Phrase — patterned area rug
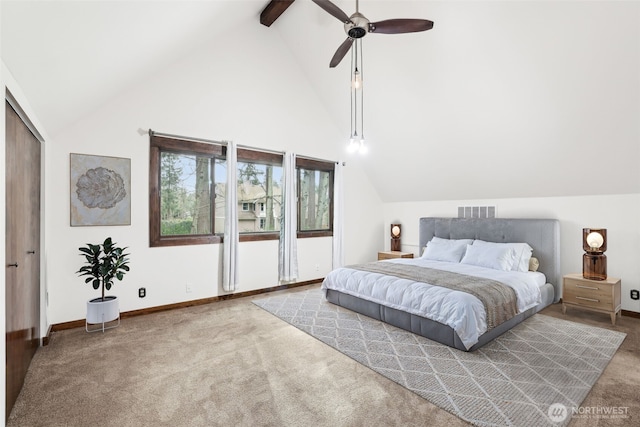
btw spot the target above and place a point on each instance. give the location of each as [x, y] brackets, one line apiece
[531, 375]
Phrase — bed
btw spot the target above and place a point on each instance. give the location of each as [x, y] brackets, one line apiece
[388, 290]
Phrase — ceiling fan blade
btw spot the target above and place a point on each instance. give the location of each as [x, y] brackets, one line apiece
[333, 10]
[341, 52]
[399, 26]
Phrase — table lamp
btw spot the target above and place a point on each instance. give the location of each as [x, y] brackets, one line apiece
[594, 261]
[395, 237]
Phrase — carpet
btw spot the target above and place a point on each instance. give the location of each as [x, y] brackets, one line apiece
[532, 375]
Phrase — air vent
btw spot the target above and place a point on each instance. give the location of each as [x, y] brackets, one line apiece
[476, 211]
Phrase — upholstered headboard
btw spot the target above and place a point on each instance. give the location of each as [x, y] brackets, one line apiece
[542, 234]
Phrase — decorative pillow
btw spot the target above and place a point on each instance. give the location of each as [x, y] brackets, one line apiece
[522, 253]
[450, 251]
[534, 264]
[489, 256]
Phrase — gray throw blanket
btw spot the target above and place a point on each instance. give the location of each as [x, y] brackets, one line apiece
[499, 300]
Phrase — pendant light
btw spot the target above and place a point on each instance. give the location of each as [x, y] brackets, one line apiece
[356, 137]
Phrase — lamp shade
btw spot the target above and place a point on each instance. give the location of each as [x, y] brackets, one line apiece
[594, 240]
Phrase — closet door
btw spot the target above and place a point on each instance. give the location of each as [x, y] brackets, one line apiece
[22, 255]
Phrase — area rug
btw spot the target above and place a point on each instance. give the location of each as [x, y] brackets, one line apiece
[532, 375]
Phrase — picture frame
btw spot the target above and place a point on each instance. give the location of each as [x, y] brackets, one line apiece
[100, 190]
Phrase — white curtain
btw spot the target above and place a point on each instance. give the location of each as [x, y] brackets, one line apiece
[338, 217]
[288, 260]
[231, 234]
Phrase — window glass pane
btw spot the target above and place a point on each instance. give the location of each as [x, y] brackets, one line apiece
[185, 194]
[220, 173]
[259, 185]
[314, 200]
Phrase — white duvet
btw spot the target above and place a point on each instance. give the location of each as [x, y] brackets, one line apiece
[463, 312]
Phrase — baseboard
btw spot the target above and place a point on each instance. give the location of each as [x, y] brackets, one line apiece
[629, 313]
[81, 323]
[47, 337]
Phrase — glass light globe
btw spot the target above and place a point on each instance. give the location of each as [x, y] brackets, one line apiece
[362, 148]
[356, 80]
[354, 144]
[595, 240]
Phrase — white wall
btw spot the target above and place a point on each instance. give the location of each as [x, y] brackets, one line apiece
[617, 213]
[248, 89]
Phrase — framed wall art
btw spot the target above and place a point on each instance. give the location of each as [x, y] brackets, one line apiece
[100, 190]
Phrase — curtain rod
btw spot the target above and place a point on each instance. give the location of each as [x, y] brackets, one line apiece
[210, 141]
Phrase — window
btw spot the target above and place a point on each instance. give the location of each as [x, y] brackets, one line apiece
[187, 187]
[260, 190]
[184, 179]
[315, 198]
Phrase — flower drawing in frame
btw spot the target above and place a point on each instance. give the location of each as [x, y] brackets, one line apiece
[100, 190]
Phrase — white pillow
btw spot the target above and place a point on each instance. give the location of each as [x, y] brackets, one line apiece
[451, 241]
[450, 251]
[521, 257]
[496, 257]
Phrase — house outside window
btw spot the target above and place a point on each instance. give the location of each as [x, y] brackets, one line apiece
[260, 191]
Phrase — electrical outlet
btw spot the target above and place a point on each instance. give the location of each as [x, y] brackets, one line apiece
[188, 288]
[142, 292]
[635, 294]
[317, 267]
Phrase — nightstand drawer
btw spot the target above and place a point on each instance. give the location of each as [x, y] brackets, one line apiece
[588, 294]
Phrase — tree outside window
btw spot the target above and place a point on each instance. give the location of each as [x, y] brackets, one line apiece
[315, 197]
[181, 184]
[185, 194]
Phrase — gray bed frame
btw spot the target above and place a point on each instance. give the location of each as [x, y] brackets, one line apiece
[542, 234]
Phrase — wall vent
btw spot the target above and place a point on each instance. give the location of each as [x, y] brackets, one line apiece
[476, 211]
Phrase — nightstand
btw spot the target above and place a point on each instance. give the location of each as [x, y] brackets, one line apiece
[393, 254]
[596, 295]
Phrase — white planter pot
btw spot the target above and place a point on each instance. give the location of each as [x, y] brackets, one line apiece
[99, 311]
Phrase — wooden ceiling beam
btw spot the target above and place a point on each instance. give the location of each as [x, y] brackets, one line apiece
[274, 9]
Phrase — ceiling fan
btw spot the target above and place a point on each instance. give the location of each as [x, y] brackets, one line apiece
[357, 26]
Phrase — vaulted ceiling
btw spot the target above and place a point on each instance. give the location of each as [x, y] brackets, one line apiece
[500, 99]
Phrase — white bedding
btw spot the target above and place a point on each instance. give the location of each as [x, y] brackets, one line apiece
[463, 312]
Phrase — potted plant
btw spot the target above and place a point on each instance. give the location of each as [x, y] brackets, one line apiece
[103, 264]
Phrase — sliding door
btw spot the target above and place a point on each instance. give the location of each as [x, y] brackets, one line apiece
[22, 249]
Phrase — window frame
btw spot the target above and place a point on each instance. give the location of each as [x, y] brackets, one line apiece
[184, 146]
[317, 165]
[265, 158]
[158, 145]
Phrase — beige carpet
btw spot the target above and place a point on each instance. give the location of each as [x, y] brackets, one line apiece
[514, 380]
[232, 363]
